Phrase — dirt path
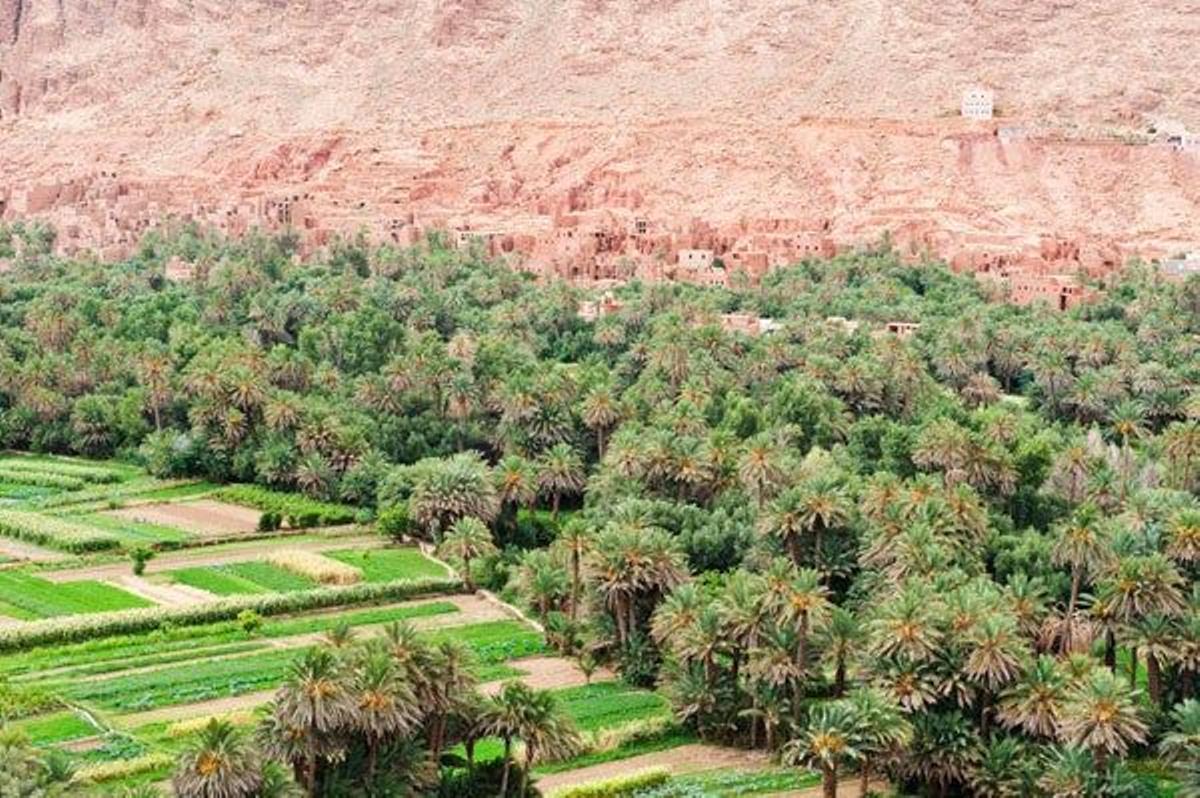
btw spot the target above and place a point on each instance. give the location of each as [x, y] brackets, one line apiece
[847, 788]
[190, 558]
[549, 673]
[20, 550]
[200, 709]
[684, 759]
[164, 594]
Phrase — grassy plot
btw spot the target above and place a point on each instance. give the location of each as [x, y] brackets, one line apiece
[135, 533]
[385, 565]
[726, 783]
[45, 599]
[113, 654]
[492, 644]
[605, 705]
[242, 578]
[59, 727]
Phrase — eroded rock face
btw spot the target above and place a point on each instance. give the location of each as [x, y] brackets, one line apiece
[833, 120]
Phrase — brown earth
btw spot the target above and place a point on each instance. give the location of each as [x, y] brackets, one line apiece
[684, 759]
[204, 518]
[394, 116]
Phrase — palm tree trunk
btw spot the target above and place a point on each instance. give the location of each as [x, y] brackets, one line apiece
[507, 767]
[754, 722]
[600, 442]
[1110, 650]
[1154, 679]
[529, 757]
[793, 547]
[1133, 663]
[467, 575]
[829, 782]
[575, 581]
[1076, 583]
[310, 775]
[554, 506]
[864, 777]
[817, 535]
[839, 677]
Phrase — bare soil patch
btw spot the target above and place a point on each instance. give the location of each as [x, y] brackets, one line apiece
[549, 673]
[204, 518]
[20, 550]
[684, 759]
[164, 595]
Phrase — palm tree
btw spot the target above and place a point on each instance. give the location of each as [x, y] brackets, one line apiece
[1034, 703]
[881, 729]
[1183, 530]
[542, 582]
[600, 412]
[1154, 638]
[824, 506]
[516, 483]
[1082, 544]
[839, 641]
[469, 539]
[520, 712]
[386, 705]
[1070, 772]
[829, 741]
[807, 601]
[575, 538]
[995, 658]
[784, 520]
[633, 568]
[312, 707]
[220, 763]
[761, 470]
[1181, 448]
[560, 471]
[1182, 747]
[1101, 715]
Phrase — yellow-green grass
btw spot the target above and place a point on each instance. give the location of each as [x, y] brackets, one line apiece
[385, 565]
[42, 599]
[242, 578]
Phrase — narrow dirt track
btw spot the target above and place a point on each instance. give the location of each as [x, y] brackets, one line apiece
[20, 550]
[162, 594]
[547, 673]
[684, 759]
[190, 558]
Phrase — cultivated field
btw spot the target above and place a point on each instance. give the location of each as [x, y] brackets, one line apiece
[119, 670]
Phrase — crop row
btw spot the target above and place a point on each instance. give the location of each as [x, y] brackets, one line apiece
[47, 599]
[40, 479]
[295, 509]
[57, 533]
[242, 578]
[232, 676]
[111, 654]
[311, 565]
[85, 473]
[84, 627]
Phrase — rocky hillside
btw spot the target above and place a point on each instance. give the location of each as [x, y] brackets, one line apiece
[838, 109]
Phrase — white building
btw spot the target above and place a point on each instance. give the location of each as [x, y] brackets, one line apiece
[978, 103]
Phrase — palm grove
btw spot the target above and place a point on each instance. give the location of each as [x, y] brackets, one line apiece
[963, 562]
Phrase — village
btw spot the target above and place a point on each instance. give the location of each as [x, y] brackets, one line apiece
[597, 246]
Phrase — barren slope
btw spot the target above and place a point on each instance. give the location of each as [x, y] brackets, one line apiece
[835, 109]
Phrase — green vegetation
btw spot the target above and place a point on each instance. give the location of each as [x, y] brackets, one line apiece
[56, 533]
[965, 559]
[239, 578]
[297, 511]
[385, 565]
[43, 599]
[59, 727]
[620, 786]
[135, 533]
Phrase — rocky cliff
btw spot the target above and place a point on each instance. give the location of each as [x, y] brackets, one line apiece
[386, 112]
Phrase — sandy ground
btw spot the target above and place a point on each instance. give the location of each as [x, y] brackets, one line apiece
[20, 550]
[190, 558]
[166, 595]
[204, 518]
[684, 759]
[546, 673]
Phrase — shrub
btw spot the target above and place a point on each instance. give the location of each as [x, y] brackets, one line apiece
[300, 511]
[40, 479]
[269, 521]
[315, 567]
[617, 787]
[140, 556]
[56, 533]
[250, 621]
[190, 726]
[394, 522]
[18, 701]
[85, 627]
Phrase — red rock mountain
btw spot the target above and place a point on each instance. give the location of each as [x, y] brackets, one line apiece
[838, 118]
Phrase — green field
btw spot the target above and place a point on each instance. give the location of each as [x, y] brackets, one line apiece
[42, 599]
[135, 533]
[386, 565]
[242, 578]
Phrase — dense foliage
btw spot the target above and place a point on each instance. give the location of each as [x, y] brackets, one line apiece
[965, 560]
